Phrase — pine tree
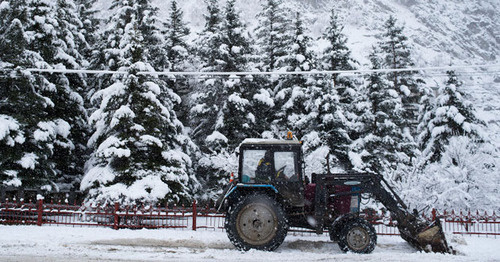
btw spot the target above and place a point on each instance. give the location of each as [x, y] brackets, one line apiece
[223, 46]
[397, 54]
[379, 147]
[236, 119]
[44, 108]
[326, 129]
[26, 140]
[292, 91]
[57, 40]
[90, 24]
[105, 57]
[21, 107]
[337, 56]
[273, 35]
[178, 55]
[206, 100]
[176, 45]
[272, 47]
[70, 158]
[340, 107]
[451, 116]
[141, 154]
[235, 45]
[233, 118]
[89, 30]
[209, 40]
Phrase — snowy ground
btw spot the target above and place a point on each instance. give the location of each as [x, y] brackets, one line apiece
[31, 243]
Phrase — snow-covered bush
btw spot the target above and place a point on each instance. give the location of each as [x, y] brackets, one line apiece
[466, 177]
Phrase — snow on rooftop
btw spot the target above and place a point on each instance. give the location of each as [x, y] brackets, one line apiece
[270, 141]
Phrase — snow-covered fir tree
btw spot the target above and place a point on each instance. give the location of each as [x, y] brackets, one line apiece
[70, 158]
[90, 24]
[45, 35]
[337, 56]
[327, 133]
[105, 55]
[176, 42]
[89, 30]
[235, 46]
[178, 58]
[398, 54]
[378, 149]
[206, 98]
[208, 41]
[336, 110]
[23, 158]
[234, 118]
[273, 34]
[151, 30]
[271, 45]
[57, 39]
[292, 92]
[452, 115]
[140, 151]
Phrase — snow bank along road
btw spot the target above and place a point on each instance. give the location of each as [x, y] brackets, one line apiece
[31, 243]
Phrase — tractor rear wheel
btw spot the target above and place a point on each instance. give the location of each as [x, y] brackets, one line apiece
[256, 222]
[357, 236]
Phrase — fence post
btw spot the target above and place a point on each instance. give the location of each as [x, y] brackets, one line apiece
[115, 215]
[20, 195]
[71, 196]
[2, 194]
[195, 215]
[39, 220]
[433, 214]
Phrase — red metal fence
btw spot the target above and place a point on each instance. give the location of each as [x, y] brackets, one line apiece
[40, 213]
[194, 217]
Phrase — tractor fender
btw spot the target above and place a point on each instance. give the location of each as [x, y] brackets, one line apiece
[237, 191]
[339, 222]
[220, 203]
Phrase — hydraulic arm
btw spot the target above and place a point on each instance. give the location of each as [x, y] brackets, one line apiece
[421, 234]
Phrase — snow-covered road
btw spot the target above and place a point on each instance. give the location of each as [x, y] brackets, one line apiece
[31, 243]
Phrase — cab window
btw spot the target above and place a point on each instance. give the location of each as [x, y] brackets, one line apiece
[284, 163]
[251, 160]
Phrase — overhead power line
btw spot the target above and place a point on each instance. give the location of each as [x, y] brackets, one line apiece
[313, 72]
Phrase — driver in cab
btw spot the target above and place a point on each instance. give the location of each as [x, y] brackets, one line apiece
[264, 171]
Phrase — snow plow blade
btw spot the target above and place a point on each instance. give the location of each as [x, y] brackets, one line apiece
[428, 238]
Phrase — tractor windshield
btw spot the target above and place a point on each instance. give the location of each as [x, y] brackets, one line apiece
[265, 166]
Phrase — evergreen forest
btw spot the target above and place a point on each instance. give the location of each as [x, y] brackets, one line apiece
[113, 124]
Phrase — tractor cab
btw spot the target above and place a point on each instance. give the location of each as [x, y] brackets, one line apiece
[275, 164]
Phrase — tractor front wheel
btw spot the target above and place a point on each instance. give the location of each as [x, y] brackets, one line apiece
[256, 222]
[357, 236]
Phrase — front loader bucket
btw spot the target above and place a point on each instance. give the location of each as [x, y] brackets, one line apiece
[432, 239]
[428, 238]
